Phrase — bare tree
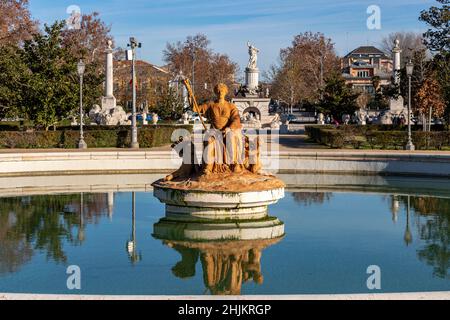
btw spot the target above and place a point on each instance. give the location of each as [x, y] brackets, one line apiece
[90, 41]
[410, 42]
[197, 61]
[303, 68]
[16, 23]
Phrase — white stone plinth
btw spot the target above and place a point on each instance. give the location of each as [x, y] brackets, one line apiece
[108, 103]
[396, 106]
[252, 78]
[223, 200]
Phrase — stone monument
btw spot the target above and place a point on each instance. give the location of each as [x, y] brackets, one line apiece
[109, 113]
[109, 101]
[397, 106]
[249, 98]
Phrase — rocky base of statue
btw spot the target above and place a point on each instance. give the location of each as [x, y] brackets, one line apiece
[223, 182]
[216, 197]
[109, 116]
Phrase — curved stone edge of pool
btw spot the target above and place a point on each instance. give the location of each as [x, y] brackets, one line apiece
[438, 295]
[420, 163]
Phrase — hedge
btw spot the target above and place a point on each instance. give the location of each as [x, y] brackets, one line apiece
[368, 137]
[112, 137]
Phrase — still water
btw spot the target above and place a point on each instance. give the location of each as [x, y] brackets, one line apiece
[331, 239]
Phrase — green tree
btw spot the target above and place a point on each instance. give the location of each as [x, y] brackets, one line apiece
[338, 99]
[53, 82]
[14, 75]
[378, 101]
[171, 106]
[89, 43]
[437, 38]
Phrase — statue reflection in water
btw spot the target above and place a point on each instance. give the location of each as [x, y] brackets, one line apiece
[226, 264]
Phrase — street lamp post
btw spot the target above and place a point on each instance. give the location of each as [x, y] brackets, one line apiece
[409, 72]
[134, 140]
[80, 68]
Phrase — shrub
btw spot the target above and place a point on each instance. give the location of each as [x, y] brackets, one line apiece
[111, 137]
[369, 136]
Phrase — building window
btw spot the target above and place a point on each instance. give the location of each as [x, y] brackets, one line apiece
[363, 74]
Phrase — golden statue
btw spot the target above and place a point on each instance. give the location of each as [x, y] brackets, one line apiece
[225, 144]
[227, 150]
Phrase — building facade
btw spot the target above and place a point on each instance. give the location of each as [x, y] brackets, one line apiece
[360, 66]
[152, 83]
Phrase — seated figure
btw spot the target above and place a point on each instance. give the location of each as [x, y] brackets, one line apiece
[226, 148]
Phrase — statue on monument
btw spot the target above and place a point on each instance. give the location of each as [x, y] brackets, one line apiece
[253, 52]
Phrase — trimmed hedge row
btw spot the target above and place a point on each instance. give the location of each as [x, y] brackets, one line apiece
[357, 137]
[148, 137]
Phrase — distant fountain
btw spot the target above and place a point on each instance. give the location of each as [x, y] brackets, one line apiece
[250, 98]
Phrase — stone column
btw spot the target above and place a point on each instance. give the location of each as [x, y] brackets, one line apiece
[109, 101]
[397, 61]
[396, 106]
[109, 73]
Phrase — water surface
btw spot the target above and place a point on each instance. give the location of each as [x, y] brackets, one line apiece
[331, 238]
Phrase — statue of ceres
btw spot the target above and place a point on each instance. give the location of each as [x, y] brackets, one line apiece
[226, 149]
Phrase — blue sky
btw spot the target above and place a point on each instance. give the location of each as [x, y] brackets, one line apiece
[269, 24]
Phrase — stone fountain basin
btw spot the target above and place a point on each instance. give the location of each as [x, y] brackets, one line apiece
[215, 199]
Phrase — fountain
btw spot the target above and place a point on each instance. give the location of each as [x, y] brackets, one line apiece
[227, 188]
[217, 210]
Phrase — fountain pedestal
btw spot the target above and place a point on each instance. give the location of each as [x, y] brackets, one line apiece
[232, 208]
